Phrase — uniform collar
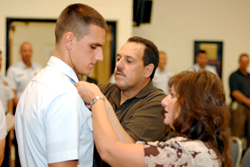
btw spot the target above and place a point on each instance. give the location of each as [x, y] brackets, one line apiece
[24, 66]
[62, 67]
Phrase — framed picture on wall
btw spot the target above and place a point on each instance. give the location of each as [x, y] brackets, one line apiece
[214, 50]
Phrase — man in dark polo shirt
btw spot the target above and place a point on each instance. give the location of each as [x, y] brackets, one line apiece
[239, 82]
[136, 102]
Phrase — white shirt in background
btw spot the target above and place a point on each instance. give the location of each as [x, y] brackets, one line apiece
[160, 79]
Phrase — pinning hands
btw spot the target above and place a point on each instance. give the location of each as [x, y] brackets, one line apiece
[87, 91]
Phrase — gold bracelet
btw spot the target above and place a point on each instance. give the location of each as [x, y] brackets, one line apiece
[95, 99]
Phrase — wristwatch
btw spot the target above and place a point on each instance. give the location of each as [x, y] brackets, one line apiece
[95, 99]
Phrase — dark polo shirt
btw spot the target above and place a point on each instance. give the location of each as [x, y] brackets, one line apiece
[238, 81]
[141, 116]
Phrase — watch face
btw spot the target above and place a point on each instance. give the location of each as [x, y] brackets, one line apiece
[94, 100]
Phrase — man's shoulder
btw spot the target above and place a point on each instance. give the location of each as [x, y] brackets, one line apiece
[235, 73]
[169, 72]
[152, 92]
[54, 80]
[36, 65]
[157, 92]
[15, 66]
[210, 67]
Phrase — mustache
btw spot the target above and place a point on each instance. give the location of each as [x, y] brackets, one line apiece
[119, 69]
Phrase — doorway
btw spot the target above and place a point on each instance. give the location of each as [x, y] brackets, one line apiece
[40, 33]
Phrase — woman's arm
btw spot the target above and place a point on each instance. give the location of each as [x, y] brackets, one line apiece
[110, 148]
[89, 91]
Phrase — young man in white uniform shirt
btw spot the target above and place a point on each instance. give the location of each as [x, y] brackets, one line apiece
[22, 72]
[162, 74]
[201, 63]
[53, 125]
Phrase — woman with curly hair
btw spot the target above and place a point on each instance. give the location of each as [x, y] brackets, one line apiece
[195, 108]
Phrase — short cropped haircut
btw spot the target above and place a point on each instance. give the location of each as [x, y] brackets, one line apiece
[151, 52]
[203, 113]
[242, 55]
[76, 18]
[162, 52]
[201, 51]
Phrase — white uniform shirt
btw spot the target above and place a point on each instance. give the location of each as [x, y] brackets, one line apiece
[160, 79]
[19, 76]
[52, 121]
[207, 67]
[3, 132]
[6, 93]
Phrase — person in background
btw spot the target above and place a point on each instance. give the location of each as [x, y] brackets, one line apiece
[3, 133]
[162, 74]
[6, 97]
[201, 62]
[240, 94]
[53, 125]
[22, 72]
[6, 94]
[195, 108]
[19, 75]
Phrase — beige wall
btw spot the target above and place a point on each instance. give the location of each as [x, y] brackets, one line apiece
[112, 10]
[176, 24]
[40, 35]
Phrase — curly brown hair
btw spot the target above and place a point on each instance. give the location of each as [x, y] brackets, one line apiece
[203, 114]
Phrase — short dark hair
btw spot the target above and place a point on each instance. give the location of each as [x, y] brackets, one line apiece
[76, 18]
[151, 52]
[203, 113]
[0, 52]
[242, 55]
[200, 51]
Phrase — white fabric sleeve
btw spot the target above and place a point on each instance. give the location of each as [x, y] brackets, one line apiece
[62, 128]
[10, 93]
[11, 78]
[3, 132]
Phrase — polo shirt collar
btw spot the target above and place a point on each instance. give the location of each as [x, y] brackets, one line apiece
[242, 74]
[116, 95]
[145, 90]
[62, 67]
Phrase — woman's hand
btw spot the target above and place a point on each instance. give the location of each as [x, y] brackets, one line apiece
[87, 91]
